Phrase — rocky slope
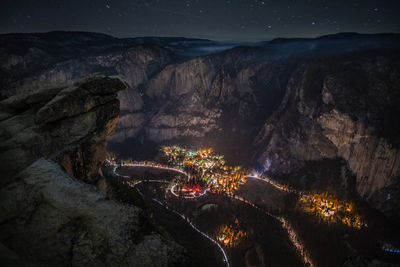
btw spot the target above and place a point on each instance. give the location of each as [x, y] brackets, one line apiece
[52, 146]
[290, 101]
[207, 95]
[169, 97]
[343, 108]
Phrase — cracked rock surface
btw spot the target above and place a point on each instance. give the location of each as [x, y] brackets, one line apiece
[52, 144]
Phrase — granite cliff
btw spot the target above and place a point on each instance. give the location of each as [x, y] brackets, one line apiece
[341, 108]
[277, 105]
[169, 97]
[51, 211]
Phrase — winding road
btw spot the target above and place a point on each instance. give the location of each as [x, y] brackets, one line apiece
[197, 230]
[285, 224]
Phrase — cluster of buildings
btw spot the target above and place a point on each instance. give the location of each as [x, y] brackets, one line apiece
[230, 235]
[206, 168]
[331, 209]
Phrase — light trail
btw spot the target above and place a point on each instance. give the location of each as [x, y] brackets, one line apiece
[180, 215]
[160, 181]
[164, 167]
[285, 224]
[152, 181]
[293, 237]
[267, 180]
[390, 248]
[137, 182]
[191, 197]
[154, 166]
[123, 176]
[197, 230]
[133, 185]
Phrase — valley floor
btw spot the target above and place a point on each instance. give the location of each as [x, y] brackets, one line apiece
[264, 241]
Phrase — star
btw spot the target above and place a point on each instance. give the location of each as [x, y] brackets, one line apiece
[253, 16]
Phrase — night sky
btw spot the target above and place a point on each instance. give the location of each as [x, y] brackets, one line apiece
[224, 20]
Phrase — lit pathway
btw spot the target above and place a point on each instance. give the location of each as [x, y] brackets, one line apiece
[174, 211]
[154, 166]
[197, 230]
[187, 197]
[115, 172]
[269, 181]
[164, 167]
[285, 224]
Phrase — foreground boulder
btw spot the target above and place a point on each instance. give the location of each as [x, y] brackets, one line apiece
[69, 124]
[53, 218]
[52, 142]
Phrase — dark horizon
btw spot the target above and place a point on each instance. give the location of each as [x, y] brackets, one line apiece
[227, 21]
[204, 39]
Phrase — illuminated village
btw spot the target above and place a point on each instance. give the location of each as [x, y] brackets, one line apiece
[331, 209]
[230, 235]
[197, 172]
[204, 169]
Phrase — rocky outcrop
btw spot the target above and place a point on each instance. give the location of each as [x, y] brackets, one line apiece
[55, 220]
[340, 109]
[67, 124]
[52, 146]
[304, 99]
[49, 64]
[375, 161]
[169, 97]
